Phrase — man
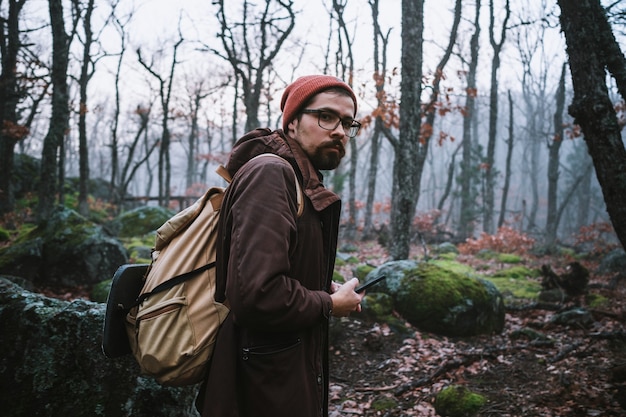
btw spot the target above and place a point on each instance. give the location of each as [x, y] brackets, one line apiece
[275, 265]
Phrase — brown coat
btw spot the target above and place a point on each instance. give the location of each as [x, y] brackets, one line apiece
[275, 269]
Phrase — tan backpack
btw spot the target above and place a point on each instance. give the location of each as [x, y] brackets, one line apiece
[172, 325]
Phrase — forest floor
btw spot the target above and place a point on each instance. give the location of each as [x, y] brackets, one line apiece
[532, 368]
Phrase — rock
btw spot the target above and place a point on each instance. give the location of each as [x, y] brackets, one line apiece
[445, 247]
[66, 251]
[614, 261]
[575, 317]
[139, 221]
[52, 364]
[458, 401]
[440, 301]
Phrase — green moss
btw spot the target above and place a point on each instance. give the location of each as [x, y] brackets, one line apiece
[517, 288]
[455, 267]
[337, 277]
[458, 401]
[378, 304]
[509, 258]
[445, 288]
[448, 256]
[339, 262]
[384, 403]
[517, 272]
[4, 235]
[486, 254]
[361, 271]
[100, 291]
[597, 301]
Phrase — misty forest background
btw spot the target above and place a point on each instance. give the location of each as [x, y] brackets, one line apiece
[480, 117]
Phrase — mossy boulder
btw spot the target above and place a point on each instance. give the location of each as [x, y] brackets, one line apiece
[378, 307]
[445, 248]
[139, 221]
[442, 301]
[458, 401]
[65, 250]
[52, 364]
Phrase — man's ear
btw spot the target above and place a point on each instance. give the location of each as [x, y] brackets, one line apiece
[291, 128]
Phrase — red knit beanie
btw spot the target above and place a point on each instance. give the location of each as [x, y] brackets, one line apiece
[301, 90]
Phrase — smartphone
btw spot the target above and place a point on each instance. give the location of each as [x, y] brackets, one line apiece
[368, 284]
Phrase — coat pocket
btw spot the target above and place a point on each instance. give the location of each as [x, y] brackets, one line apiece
[264, 351]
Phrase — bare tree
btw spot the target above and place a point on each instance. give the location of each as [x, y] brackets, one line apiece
[382, 115]
[405, 188]
[165, 96]
[490, 171]
[10, 130]
[554, 147]
[468, 208]
[251, 44]
[509, 157]
[345, 70]
[86, 72]
[120, 26]
[59, 118]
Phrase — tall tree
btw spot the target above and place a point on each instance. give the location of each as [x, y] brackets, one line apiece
[86, 72]
[165, 95]
[468, 209]
[490, 171]
[509, 158]
[383, 115]
[10, 130]
[60, 112]
[592, 49]
[405, 187]
[120, 26]
[251, 44]
[554, 147]
[345, 70]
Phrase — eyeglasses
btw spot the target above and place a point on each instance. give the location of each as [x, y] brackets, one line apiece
[329, 120]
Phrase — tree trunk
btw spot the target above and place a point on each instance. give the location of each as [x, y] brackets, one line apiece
[60, 111]
[468, 209]
[588, 37]
[490, 172]
[345, 71]
[85, 76]
[10, 131]
[405, 187]
[554, 148]
[380, 71]
[507, 170]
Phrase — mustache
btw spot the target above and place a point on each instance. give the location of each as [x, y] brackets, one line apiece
[337, 144]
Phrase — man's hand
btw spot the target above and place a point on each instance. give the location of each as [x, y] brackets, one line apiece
[345, 300]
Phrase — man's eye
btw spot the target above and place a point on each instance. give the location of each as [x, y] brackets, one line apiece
[328, 117]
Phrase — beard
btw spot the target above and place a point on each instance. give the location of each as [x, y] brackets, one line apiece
[327, 156]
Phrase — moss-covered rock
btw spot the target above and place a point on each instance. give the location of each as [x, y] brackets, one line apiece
[445, 248]
[442, 301]
[458, 401]
[384, 403]
[100, 291]
[509, 258]
[52, 364]
[139, 221]
[65, 250]
[362, 271]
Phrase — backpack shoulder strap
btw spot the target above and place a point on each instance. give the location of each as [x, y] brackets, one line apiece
[223, 172]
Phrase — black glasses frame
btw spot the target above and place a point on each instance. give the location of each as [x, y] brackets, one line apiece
[350, 126]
